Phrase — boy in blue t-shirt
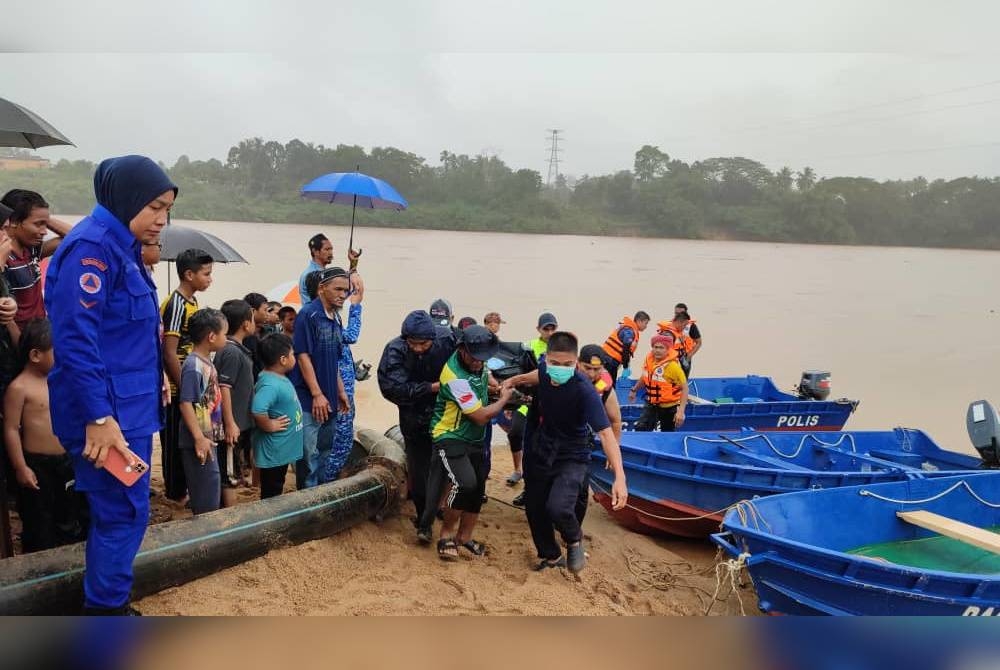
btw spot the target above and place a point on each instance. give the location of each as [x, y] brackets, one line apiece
[277, 442]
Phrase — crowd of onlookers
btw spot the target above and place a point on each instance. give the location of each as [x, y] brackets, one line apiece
[254, 389]
[242, 408]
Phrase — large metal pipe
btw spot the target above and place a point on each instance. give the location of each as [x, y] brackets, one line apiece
[177, 552]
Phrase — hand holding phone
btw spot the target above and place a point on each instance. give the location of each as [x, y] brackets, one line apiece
[117, 465]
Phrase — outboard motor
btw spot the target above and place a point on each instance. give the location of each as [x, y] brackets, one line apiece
[983, 424]
[815, 385]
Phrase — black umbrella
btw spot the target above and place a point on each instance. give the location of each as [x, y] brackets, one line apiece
[20, 127]
[176, 239]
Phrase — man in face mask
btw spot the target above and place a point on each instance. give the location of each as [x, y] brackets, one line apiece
[565, 413]
[106, 386]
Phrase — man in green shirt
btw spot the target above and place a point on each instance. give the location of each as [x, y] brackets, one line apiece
[458, 429]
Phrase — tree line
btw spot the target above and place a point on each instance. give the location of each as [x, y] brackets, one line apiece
[732, 198]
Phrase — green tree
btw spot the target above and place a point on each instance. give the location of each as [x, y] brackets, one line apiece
[650, 163]
[805, 179]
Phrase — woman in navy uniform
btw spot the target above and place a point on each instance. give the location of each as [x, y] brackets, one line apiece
[106, 386]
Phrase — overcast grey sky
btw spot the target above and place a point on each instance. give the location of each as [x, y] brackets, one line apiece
[764, 79]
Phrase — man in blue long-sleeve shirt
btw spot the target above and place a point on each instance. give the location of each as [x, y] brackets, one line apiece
[106, 388]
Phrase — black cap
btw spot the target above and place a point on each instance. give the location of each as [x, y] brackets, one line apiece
[5, 213]
[331, 273]
[547, 319]
[441, 312]
[591, 354]
[480, 342]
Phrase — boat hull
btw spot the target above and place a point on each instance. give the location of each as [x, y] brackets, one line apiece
[662, 517]
[671, 479]
[797, 553]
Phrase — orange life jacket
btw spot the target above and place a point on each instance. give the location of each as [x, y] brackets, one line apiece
[683, 341]
[659, 389]
[604, 385]
[614, 347]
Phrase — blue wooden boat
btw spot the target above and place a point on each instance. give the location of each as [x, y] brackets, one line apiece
[732, 403]
[848, 550]
[682, 483]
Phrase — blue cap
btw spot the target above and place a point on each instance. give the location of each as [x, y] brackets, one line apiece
[418, 325]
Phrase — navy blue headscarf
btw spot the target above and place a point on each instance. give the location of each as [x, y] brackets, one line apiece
[125, 185]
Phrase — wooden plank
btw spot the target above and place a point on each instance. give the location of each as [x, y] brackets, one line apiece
[957, 530]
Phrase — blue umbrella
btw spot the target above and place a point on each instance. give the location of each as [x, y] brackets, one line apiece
[355, 189]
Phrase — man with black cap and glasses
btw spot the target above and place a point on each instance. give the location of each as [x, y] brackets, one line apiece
[458, 429]
[316, 377]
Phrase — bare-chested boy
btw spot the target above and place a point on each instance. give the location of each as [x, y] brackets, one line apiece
[50, 513]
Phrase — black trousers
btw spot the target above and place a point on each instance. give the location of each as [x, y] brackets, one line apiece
[555, 497]
[611, 365]
[418, 447]
[515, 435]
[55, 514]
[653, 416]
[174, 481]
[272, 481]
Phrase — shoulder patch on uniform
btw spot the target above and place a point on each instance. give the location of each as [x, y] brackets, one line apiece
[90, 282]
[94, 262]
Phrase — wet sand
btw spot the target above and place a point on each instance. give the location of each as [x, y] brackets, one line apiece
[380, 569]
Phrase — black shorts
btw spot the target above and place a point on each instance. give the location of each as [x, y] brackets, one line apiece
[463, 465]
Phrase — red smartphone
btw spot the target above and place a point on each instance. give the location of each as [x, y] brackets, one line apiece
[116, 465]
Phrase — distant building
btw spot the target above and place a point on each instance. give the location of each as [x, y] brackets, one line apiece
[31, 163]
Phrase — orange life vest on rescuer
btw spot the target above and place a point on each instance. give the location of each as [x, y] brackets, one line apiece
[605, 385]
[659, 389]
[683, 341]
[614, 347]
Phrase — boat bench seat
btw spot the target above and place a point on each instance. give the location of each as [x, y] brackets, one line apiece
[754, 457]
[904, 458]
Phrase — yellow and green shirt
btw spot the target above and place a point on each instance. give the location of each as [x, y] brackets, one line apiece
[176, 311]
[462, 392]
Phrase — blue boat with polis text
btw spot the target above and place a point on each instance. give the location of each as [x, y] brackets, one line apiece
[732, 403]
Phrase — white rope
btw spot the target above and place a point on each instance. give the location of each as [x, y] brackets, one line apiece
[953, 487]
[731, 568]
[664, 518]
[906, 439]
[748, 512]
[843, 436]
[709, 440]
